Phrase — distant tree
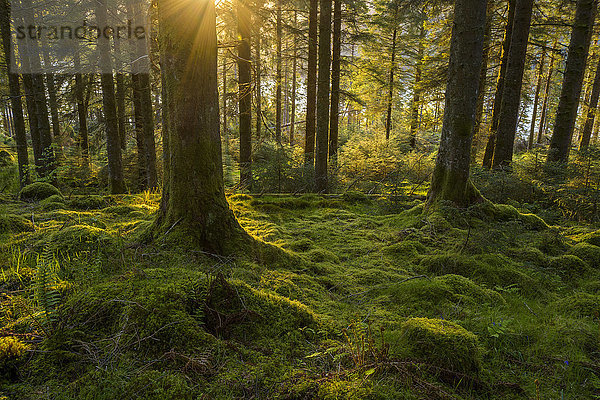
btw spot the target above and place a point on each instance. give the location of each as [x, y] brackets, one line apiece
[566, 114]
[334, 119]
[311, 84]
[245, 92]
[586, 133]
[451, 174]
[323, 90]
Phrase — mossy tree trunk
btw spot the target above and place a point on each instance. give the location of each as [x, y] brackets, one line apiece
[543, 116]
[15, 96]
[194, 202]
[311, 85]
[416, 100]
[323, 90]
[511, 96]
[488, 155]
[245, 93]
[536, 101]
[334, 119]
[586, 133]
[566, 114]
[451, 174]
[388, 119]
[81, 114]
[279, 74]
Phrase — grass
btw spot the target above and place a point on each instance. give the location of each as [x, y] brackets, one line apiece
[372, 302]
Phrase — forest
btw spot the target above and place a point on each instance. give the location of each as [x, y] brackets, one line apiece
[299, 199]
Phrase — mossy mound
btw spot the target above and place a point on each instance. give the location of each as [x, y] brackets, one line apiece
[80, 238]
[490, 269]
[588, 253]
[569, 266]
[592, 238]
[88, 202]
[10, 223]
[38, 191]
[437, 342]
[54, 202]
[581, 304]
[406, 248]
[353, 197]
[55, 198]
[6, 159]
[488, 211]
[431, 297]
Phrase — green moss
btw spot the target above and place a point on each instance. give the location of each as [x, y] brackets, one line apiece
[406, 248]
[55, 198]
[319, 255]
[6, 159]
[38, 191]
[303, 244]
[10, 223]
[592, 238]
[438, 342]
[569, 266]
[353, 197]
[583, 304]
[120, 210]
[80, 238]
[588, 253]
[12, 351]
[88, 202]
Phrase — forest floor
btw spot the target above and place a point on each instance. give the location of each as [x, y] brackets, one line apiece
[370, 298]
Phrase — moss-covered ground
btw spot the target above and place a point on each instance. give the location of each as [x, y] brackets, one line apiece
[370, 299]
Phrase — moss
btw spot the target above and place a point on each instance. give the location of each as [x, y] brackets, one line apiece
[12, 351]
[353, 197]
[88, 202]
[588, 253]
[240, 197]
[120, 210]
[489, 212]
[551, 242]
[569, 266]
[6, 159]
[79, 238]
[437, 222]
[406, 248]
[55, 198]
[10, 223]
[38, 191]
[583, 304]
[438, 342]
[319, 255]
[592, 238]
[303, 244]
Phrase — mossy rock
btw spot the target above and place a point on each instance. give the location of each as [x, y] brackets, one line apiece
[38, 191]
[88, 202]
[55, 198]
[438, 342]
[569, 266]
[580, 304]
[53, 202]
[81, 238]
[588, 253]
[11, 223]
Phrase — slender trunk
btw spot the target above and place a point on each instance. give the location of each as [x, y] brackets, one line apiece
[245, 94]
[53, 104]
[488, 156]
[142, 170]
[388, 120]
[81, 114]
[120, 97]
[323, 88]
[311, 85]
[334, 119]
[148, 130]
[113, 146]
[511, 97]
[566, 114]
[414, 122]
[15, 96]
[294, 82]
[591, 113]
[225, 128]
[258, 88]
[543, 117]
[451, 174]
[536, 99]
[482, 81]
[278, 77]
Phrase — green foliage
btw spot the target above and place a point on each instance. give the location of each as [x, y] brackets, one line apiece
[10, 223]
[38, 191]
[46, 295]
[570, 266]
[588, 253]
[88, 202]
[80, 238]
[581, 304]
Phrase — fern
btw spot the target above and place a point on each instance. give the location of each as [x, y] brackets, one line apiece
[47, 298]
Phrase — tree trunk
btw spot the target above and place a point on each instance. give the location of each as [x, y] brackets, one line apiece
[148, 130]
[591, 113]
[414, 121]
[324, 80]
[511, 97]
[278, 77]
[543, 117]
[451, 174]
[334, 118]
[388, 120]
[82, 115]
[566, 114]
[294, 83]
[245, 94]
[15, 96]
[311, 85]
[225, 128]
[113, 142]
[138, 118]
[258, 88]
[536, 100]
[194, 200]
[481, 92]
[53, 103]
[488, 156]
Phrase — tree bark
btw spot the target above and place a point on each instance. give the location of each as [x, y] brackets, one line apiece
[488, 156]
[511, 97]
[388, 120]
[566, 114]
[15, 96]
[194, 203]
[324, 80]
[245, 94]
[81, 115]
[311, 85]
[536, 100]
[258, 87]
[294, 83]
[543, 117]
[278, 77]
[414, 120]
[334, 118]
[451, 174]
[586, 134]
